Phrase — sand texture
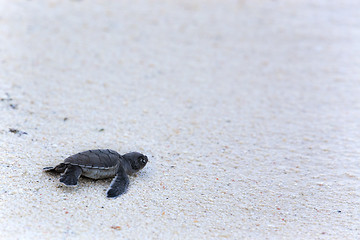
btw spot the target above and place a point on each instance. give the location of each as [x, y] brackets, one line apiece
[248, 111]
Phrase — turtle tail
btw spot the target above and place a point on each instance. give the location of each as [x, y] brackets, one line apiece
[59, 168]
[48, 169]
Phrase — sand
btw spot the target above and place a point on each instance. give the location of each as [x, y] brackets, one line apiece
[248, 110]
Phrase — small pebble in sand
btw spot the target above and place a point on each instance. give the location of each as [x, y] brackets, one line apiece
[13, 106]
[116, 227]
[16, 131]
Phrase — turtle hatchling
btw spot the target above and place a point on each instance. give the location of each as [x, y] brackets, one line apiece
[99, 164]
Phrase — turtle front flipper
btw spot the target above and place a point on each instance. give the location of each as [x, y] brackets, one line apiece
[71, 175]
[119, 184]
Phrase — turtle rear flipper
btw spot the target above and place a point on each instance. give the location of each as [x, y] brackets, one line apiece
[119, 184]
[71, 175]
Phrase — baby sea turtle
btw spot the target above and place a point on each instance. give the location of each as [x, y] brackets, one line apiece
[99, 164]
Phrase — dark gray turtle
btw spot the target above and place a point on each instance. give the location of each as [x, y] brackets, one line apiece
[99, 164]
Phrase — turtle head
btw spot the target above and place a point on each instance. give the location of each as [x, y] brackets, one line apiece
[136, 160]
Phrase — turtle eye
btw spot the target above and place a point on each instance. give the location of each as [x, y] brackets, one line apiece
[143, 160]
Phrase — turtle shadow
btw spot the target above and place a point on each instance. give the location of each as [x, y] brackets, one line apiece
[95, 182]
[84, 185]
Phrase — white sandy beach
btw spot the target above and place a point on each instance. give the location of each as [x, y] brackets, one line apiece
[248, 111]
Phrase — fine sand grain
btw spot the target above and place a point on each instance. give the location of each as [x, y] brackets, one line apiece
[248, 110]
